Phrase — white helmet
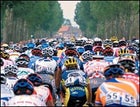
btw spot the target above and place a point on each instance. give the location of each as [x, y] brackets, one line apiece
[97, 39]
[11, 69]
[48, 51]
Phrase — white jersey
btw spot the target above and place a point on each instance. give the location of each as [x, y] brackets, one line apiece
[115, 60]
[24, 72]
[43, 93]
[25, 100]
[6, 94]
[48, 65]
[7, 62]
[95, 65]
[10, 81]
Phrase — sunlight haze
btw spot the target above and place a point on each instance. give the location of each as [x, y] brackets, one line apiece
[68, 8]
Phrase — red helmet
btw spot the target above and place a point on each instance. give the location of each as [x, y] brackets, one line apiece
[108, 51]
[36, 52]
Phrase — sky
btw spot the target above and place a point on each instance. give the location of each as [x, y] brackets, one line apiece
[68, 8]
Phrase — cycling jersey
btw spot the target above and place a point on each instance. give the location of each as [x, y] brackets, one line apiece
[10, 81]
[6, 94]
[46, 65]
[25, 100]
[74, 83]
[32, 61]
[74, 77]
[109, 59]
[24, 72]
[43, 93]
[134, 78]
[117, 92]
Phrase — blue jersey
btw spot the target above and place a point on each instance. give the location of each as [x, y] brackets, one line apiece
[109, 59]
[74, 78]
[32, 61]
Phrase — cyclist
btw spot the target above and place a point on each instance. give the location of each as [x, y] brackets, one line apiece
[108, 54]
[128, 63]
[46, 67]
[10, 72]
[23, 70]
[6, 92]
[25, 95]
[75, 84]
[116, 91]
[42, 90]
[36, 54]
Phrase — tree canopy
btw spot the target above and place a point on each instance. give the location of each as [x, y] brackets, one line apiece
[108, 18]
[27, 17]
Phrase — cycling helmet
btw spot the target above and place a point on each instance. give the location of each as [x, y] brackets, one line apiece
[70, 62]
[60, 46]
[24, 56]
[107, 43]
[5, 55]
[87, 55]
[122, 51]
[43, 41]
[30, 45]
[108, 51]
[35, 79]
[48, 52]
[132, 49]
[10, 69]
[88, 47]
[24, 48]
[5, 46]
[98, 49]
[97, 42]
[115, 44]
[122, 43]
[23, 87]
[36, 52]
[69, 45]
[44, 45]
[80, 50]
[114, 38]
[71, 52]
[16, 48]
[80, 42]
[2, 78]
[128, 64]
[114, 69]
[22, 62]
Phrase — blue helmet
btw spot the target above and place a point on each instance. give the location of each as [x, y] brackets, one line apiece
[80, 50]
[30, 45]
[60, 46]
[35, 79]
[23, 87]
[114, 69]
[44, 45]
[88, 47]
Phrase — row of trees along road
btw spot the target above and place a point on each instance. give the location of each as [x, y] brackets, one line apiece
[21, 19]
[108, 18]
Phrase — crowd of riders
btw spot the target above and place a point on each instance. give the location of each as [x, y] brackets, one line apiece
[84, 72]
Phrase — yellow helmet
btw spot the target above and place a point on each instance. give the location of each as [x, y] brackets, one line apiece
[123, 51]
[70, 62]
[114, 38]
[129, 56]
